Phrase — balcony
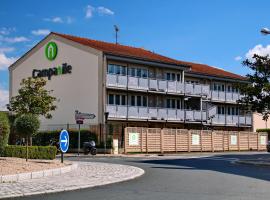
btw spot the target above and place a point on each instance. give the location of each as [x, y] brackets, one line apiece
[232, 120]
[231, 97]
[149, 113]
[154, 85]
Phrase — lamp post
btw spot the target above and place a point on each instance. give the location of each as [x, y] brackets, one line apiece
[106, 115]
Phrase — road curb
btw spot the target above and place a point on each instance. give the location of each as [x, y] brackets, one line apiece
[37, 174]
[137, 172]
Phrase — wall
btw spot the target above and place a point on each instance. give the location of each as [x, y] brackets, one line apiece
[258, 123]
[79, 90]
[183, 140]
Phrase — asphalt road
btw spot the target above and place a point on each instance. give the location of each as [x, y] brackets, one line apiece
[204, 178]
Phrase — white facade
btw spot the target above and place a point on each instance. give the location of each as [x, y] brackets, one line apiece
[80, 90]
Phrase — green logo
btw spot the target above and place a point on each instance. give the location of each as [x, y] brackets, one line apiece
[51, 51]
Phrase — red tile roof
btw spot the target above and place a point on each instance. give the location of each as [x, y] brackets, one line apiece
[140, 53]
[121, 50]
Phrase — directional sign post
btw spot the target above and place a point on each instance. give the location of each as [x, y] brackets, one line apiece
[63, 143]
[79, 117]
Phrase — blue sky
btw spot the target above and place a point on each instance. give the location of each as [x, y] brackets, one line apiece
[218, 33]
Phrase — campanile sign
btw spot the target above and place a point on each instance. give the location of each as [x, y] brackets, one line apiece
[51, 51]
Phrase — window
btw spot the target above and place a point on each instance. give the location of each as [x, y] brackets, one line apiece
[117, 99]
[215, 87]
[221, 110]
[144, 73]
[168, 103]
[111, 69]
[223, 88]
[229, 88]
[139, 101]
[233, 112]
[168, 76]
[178, 104]
[229, 111]
[111, 99]
[132, 72]
[139, 72]
[123, 100]
[132, 100]
[144, 101]
[173, 103]
[173, 76]
[178, 77]
[124, 71]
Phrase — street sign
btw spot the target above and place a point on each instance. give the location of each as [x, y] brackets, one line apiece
[79, 121]
[79, 115]
[64, 141]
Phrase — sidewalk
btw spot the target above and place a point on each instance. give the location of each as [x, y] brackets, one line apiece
[90, 174]
[256, 162]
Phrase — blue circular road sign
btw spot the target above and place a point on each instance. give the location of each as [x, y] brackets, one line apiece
[64, 141]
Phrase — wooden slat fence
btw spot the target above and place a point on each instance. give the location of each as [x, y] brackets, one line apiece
[147, 140]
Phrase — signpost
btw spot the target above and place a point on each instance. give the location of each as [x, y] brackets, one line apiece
[79, 117]
[63, 143]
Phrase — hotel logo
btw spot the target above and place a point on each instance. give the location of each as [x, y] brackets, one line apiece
[51, 51]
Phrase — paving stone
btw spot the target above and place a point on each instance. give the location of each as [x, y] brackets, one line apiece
[89, 174]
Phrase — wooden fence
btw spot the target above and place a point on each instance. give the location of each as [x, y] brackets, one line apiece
[141, 139]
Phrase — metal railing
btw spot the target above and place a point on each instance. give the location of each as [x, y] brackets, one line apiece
[233, 120]
[151, 113]
[158, 85]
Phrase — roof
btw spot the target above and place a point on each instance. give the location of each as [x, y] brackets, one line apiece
[204, 69]
[121, 50]
[140, 53]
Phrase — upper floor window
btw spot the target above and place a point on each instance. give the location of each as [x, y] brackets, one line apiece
[117, 69]
[116, 99]
[138, 72]
[173, 103]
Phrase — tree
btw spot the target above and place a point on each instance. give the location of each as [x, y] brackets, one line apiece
[257, 92]
[26, 125]
[33, 99]
[4, 131]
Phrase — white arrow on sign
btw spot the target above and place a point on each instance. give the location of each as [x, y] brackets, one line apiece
[65, 141]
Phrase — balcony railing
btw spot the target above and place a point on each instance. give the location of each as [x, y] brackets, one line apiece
[150, 113]
[148, 84]
[226, 96]
[233, 120]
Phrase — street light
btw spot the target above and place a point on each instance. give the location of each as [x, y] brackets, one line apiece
[265, 31]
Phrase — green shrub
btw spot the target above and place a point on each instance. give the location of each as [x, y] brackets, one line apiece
[266, 130]
[43, 138]
[34, 152]
[4, 131]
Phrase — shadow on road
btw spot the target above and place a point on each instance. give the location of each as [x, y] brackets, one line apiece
[217, 163]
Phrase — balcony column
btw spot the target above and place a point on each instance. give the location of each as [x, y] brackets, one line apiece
[183, 76]
[201, 109]
[127, 100]
[225, 90]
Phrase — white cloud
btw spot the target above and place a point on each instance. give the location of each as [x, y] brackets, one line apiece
[54, 20]
[259, 50]
[70, 20]
[41, 32]
[14, 39]
[6, 31]
[4, 98]
[89, 11]
[6, 49]
[237, 58]
[104, 11]
[5, 61]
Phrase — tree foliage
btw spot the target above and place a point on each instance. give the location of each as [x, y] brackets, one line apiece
[4, 131]
[27, 125]
[257, 92]
[33, 99]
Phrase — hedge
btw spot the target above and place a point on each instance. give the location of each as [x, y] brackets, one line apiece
[266, 130]
[34, 152]
[43, 138]
[4, 130]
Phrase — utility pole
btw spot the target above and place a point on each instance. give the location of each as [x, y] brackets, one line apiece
[116, 33]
